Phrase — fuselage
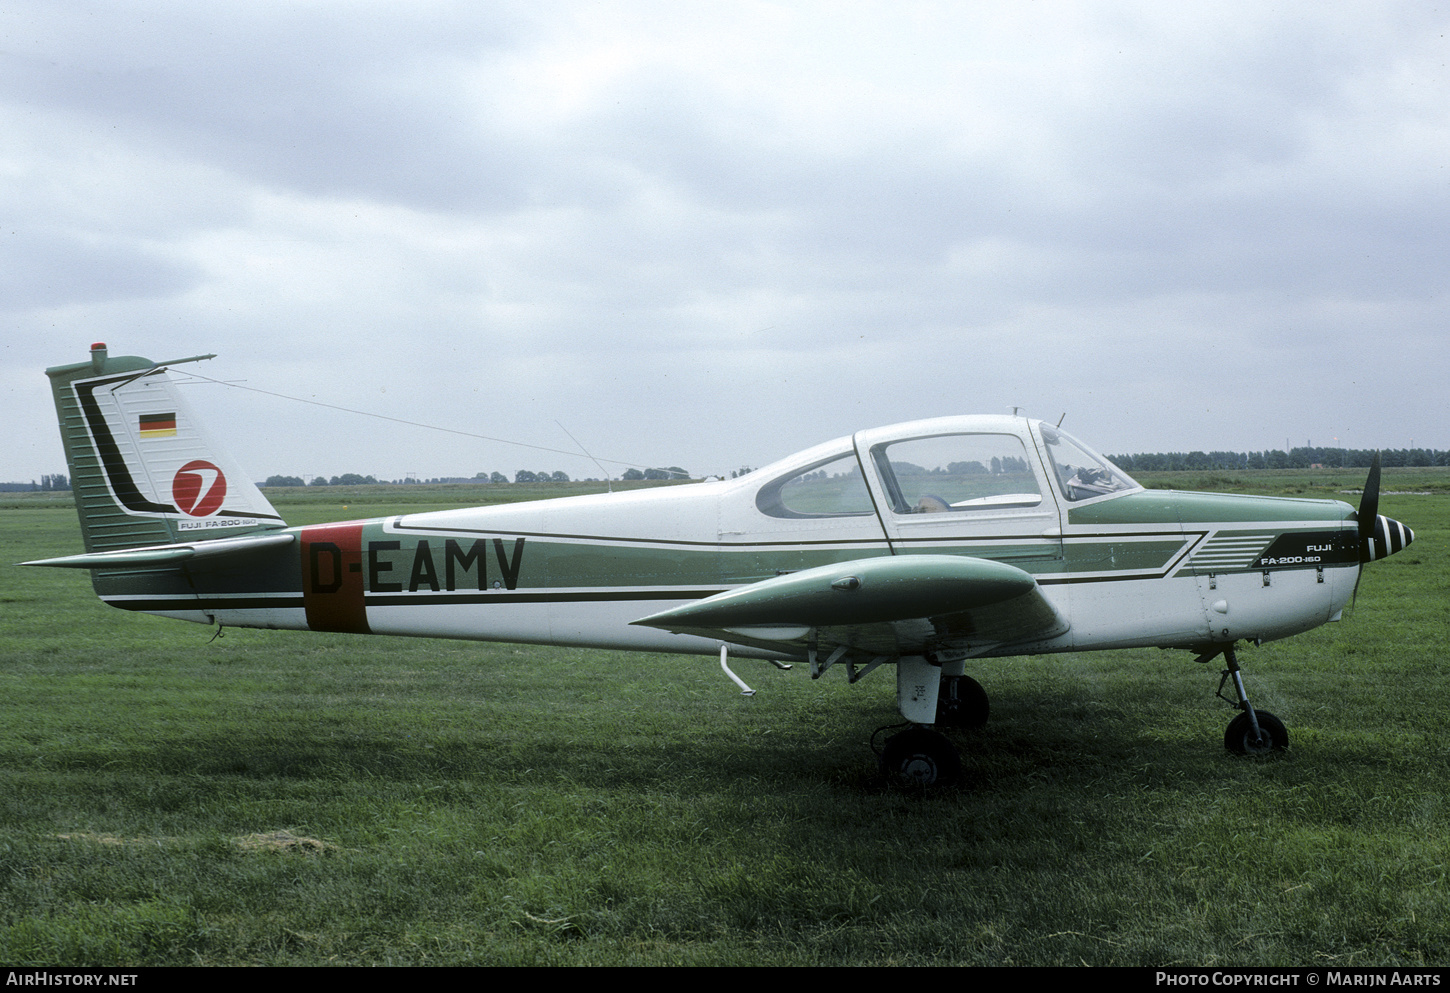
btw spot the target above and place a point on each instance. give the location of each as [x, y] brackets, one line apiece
[1127, 566]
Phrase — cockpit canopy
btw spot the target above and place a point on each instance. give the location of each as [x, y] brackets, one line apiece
[951, 465]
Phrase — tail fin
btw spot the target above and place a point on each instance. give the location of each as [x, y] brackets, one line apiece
[143, 470]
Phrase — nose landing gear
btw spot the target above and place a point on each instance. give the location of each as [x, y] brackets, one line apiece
[1253, 732]
[1241, 738]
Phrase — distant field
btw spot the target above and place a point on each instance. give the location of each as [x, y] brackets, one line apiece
[410, 496]
[276, 798]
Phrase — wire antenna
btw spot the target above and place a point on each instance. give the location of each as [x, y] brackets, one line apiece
[400, 420]
[609, 485]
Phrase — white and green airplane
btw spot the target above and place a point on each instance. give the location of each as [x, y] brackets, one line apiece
[923, 546]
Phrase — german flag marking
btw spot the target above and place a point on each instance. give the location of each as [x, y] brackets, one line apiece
[158, 425]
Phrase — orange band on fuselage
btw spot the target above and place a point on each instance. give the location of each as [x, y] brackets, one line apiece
[332, 578]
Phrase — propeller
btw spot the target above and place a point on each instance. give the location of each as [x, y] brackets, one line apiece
[1378, 536]
[1369, 507]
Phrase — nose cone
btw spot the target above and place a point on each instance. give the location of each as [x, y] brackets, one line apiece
[1389, 537]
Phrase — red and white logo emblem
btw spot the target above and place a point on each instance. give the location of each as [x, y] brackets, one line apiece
[199, 488]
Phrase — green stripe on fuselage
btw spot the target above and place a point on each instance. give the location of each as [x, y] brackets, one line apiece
[1187, 508]
[417, 561]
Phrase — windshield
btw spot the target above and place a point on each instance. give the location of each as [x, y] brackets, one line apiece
[1080, 471]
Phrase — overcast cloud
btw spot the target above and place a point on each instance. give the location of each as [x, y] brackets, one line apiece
[710, 234]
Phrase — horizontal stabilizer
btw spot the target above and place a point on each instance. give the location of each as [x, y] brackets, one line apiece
[164, 554]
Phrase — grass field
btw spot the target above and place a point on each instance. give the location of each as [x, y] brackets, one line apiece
[282, 798]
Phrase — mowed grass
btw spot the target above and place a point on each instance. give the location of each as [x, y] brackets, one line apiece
[286, 798]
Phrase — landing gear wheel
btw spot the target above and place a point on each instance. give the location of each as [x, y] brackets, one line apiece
[962, 703]
[921, 757]
[1239, 738]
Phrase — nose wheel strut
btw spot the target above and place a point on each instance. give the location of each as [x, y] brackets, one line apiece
[1252, 732]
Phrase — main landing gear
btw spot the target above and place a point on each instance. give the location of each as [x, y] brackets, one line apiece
[1252, 732]
[961, 703]
[922, 757]
[927, 694]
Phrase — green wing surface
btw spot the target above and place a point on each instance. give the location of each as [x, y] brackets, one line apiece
[888, 605]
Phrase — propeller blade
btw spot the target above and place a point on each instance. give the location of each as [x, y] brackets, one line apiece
[1369, 508]
[1369, 503]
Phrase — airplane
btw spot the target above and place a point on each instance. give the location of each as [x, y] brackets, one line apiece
[925, 546]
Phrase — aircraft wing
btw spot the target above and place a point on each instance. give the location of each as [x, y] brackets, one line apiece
[950, 606]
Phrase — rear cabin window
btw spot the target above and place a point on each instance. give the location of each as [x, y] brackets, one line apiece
[957, 473]
[833, 488]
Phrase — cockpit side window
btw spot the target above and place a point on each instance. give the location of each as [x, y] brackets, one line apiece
[833, 488]
[957, 473]
[1081, 473]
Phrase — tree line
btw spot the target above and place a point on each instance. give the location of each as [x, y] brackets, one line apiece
[48, 484]
[520, 476]
[1307, 457]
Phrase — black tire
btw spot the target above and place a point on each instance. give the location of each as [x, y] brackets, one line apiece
[1239, 738]
[962, 703]
[921, 757]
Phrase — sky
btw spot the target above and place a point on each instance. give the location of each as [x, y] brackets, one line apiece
[712, 234]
